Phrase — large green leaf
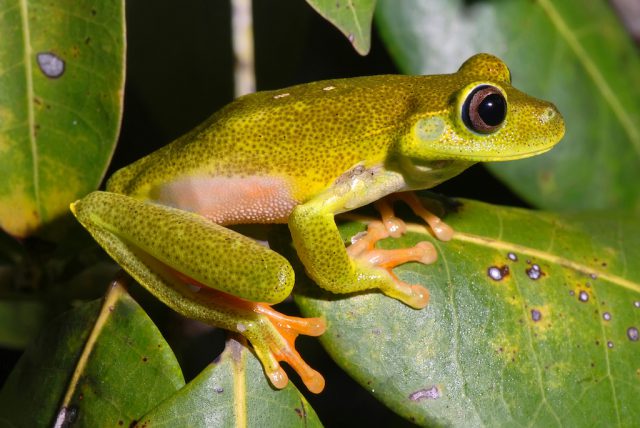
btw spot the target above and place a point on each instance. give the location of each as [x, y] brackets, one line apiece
[61, 82]
[233, 391]
[572, 52]
[533, 320]
[352, 17]
[102, 364]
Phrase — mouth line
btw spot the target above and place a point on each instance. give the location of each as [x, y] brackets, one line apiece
[497, 158]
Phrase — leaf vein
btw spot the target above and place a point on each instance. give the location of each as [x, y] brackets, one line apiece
[543, 255]
[356, 21]
[26, 40]
[535, 359]
[608, 362]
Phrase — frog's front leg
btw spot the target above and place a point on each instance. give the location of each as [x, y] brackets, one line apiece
[360, 266]
[180, 256]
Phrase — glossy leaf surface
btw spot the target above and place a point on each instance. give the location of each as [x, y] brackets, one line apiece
[233, 391]
[574, 53]
[533, 320]
[61, 82]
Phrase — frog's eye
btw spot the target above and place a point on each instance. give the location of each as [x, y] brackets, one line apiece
[484, 109]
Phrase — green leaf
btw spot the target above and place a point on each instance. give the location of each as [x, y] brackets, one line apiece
[233, 391]
[574, 53]
[21, 321]
[61, 83]
[39, 282]
[351, 17]
[554, 342]
[102, 364]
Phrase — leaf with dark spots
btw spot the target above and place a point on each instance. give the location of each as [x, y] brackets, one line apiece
[60, 106]
[516, 351]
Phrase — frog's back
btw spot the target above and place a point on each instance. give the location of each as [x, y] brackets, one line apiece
[309, 134]
[276, 149]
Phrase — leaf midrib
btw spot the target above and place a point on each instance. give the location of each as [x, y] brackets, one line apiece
[356, 19]
[26, 37]
[111, 299]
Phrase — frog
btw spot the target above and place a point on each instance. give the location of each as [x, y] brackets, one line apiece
[301, 156]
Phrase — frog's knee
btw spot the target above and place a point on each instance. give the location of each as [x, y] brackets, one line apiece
[277, 281]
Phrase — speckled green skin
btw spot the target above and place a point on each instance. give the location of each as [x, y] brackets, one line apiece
[330, 147]
[178, 242]
[313, 135]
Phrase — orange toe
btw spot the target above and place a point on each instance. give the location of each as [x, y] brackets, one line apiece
[278, 345]
[440, 229]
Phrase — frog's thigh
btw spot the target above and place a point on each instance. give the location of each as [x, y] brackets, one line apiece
[197, 248]
[322, 251]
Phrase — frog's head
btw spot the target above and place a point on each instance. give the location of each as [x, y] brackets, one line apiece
[478, 117]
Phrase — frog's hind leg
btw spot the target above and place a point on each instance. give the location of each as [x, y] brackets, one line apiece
[179, 256]
[271, 334]
[284, 349]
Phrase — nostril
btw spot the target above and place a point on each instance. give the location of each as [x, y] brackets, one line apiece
[548, 114]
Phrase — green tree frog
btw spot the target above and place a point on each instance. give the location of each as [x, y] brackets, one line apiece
[300, 156]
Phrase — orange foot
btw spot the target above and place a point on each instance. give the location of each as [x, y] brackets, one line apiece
[271, 333]
[440, 229]
[363, 249]
[276, 343]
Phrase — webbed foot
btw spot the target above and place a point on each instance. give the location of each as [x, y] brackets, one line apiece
[276, 343]
[271, 333]
[363, 250]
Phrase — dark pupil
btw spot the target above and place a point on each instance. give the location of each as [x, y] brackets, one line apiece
[492, 109]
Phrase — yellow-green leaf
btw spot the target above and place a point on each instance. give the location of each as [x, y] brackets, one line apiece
[61, 82]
